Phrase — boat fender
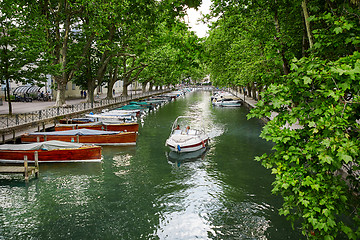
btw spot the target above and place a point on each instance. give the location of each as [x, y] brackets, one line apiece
[178, 148]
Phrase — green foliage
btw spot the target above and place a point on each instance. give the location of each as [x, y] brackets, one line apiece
[313, 99]
[20, 46]
[174, 55]
[316, 129]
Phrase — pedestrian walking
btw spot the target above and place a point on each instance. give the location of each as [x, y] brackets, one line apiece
[82, 93]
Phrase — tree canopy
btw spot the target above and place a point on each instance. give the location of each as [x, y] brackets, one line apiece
[93, 43]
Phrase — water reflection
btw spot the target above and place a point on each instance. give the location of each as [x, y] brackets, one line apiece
[180, 157]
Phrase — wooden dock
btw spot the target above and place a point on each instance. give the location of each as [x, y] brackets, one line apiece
[26, 170]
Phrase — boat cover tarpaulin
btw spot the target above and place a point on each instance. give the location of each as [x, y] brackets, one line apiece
[80, 132]
[48, 145]
[88, 124]
[76, 124]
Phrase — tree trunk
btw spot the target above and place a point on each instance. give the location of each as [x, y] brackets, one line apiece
[248, 90]
[60, 93]
[8, 96]
[111, 83]
[151, 86]
[109, 94]
[91, 89]
[281, 51]
[143, 86]
[126, 83]
[253, 88]
[307, 23]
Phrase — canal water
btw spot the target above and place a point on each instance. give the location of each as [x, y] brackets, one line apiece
[140, 192]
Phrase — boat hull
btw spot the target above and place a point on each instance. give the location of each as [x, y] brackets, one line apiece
[187, 146]
[83, 154]
[128, 127]
[124, 138]
[186, 156]
[227, 103]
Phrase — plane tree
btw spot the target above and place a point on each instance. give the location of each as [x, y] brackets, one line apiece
[22, 46]
[64, 27]
[174, 55]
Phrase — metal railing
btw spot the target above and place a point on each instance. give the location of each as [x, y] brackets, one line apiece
[48, 113]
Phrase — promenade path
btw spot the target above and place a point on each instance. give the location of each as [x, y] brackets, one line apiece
[24, 107]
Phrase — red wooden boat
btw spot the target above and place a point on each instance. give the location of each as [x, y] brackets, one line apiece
[50, 151]
[84, 136]
[123, 127]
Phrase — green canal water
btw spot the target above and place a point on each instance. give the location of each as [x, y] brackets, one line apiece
[140, 192]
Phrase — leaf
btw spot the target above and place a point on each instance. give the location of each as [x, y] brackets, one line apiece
[307, 80]
[327, 159]
[338, 30]
[312, 124]
[315, 186]
[347, 158]
[328, 237]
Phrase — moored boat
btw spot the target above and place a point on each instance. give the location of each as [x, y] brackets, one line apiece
[124, 127]
[83, 136]
[111, 118]
[75, 120]
[228, 102]
[50, 151]
[186, 139]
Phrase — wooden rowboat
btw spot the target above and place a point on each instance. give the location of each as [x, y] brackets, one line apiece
[50, 151]
[124, 127]
[84, 136]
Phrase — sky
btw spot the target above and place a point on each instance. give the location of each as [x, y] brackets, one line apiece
[193, 15]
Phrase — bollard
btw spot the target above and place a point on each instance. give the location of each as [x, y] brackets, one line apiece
[26, 168]
[36, 158]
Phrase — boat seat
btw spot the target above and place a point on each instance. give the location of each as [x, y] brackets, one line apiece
[177, 131]
[192, 132]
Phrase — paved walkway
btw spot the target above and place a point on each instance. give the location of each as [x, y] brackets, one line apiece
[24, 107]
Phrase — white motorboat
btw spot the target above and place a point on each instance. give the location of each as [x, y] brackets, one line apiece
[185, 139]
[111, 118]
[228, 102]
